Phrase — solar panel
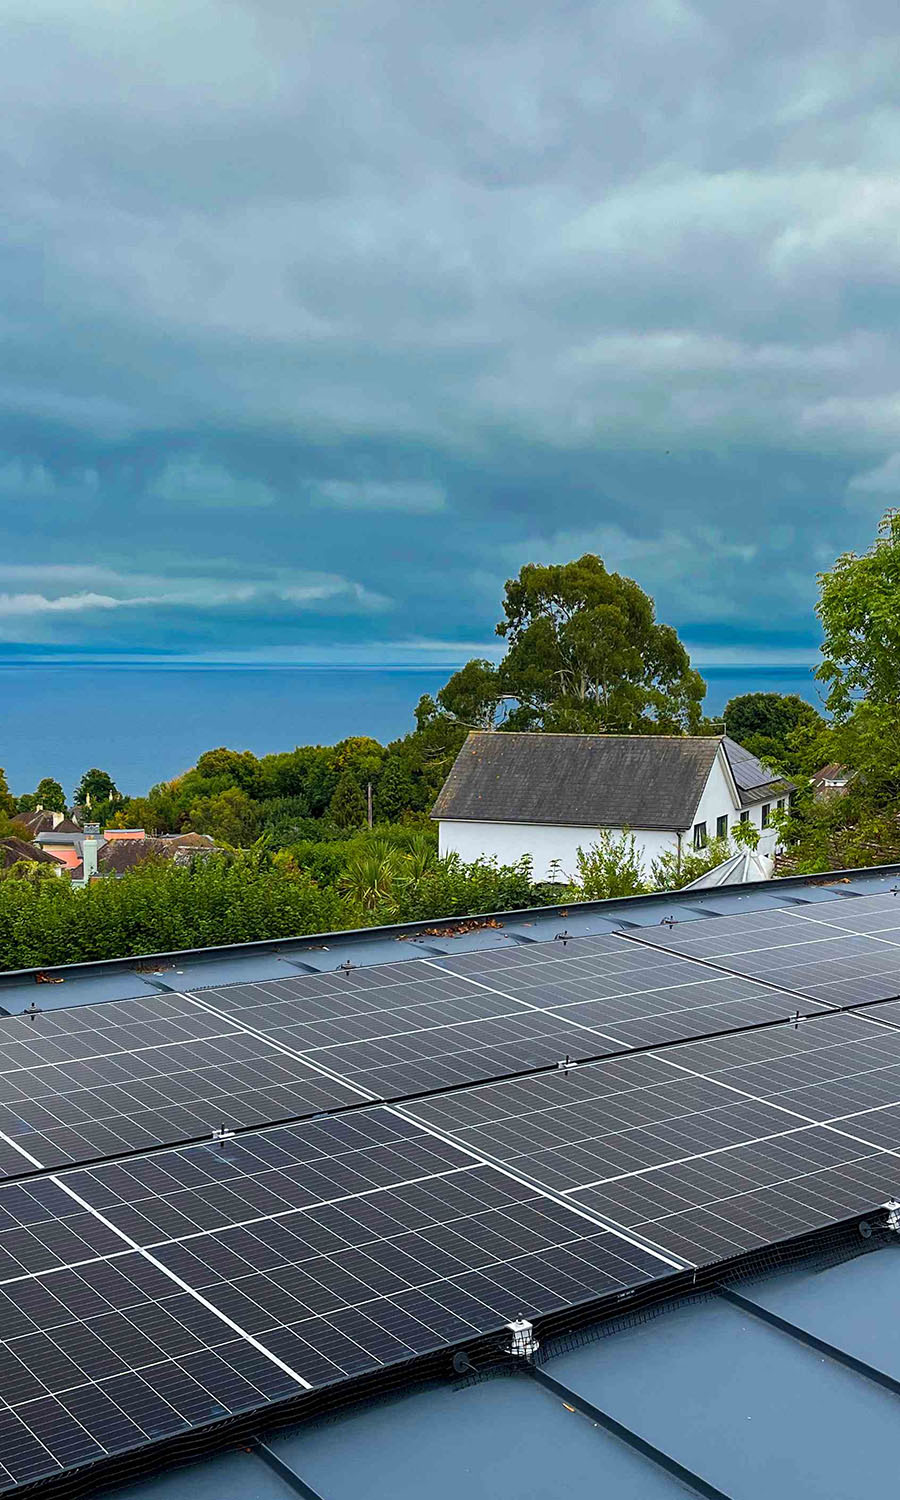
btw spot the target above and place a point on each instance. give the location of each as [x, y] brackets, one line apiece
[708, 1150]
[100, 1080]
[427, 1025]
[805, 954]
[609, 983]
[296, 1257]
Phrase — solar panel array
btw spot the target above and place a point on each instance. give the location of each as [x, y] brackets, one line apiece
[566, 1122]
[100, 1080]
[838, 955]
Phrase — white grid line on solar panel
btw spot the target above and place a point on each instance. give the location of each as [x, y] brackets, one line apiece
[707, 1211]
[845, 1056]
[716, 1008]
[869, 915]
[632, 1190]
[486, 1184]
[434, 995]
[787, 1159]
[841, 969]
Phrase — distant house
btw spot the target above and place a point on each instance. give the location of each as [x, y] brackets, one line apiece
[15, 851]
[44, 820]
[830, 781]
[544, 795]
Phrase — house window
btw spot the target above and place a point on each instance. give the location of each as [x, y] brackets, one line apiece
[745, 817]
[781, 802]
[722, 827]
[699, 835]
[764, 816]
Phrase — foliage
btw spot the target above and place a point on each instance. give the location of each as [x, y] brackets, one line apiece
[746, 834]
[610, 866]
[859, 610]
[231, 817]
[7, 802]
[781, 728]
[584, 652]
[348, 803]
[674, 869]
[49, 794]
[96, 788]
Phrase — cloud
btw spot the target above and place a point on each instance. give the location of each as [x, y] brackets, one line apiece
[883, 479]
[621, 277]
[161, 594]
[400, 495]
[189, 481]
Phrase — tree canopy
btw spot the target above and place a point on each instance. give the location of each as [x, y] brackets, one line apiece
[781, 728]
[859, 610]
[96, 787]
[584, 653]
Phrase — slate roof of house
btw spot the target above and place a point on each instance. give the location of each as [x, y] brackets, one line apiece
[591, 780]
[36, 822]
[118, 855]
[582, 780]
[12, 850]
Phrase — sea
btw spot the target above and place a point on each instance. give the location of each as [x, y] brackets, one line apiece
[147, 723]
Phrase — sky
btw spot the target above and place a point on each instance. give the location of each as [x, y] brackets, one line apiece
[320, 320]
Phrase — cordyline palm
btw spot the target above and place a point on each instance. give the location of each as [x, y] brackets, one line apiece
[370, 879]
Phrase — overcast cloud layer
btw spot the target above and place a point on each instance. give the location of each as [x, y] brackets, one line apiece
[319, 320]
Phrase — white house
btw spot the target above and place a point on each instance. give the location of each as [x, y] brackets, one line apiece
[543, 795]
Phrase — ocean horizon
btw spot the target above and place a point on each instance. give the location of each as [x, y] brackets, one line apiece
[146, 722]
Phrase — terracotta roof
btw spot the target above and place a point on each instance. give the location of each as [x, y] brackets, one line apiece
[834, 771]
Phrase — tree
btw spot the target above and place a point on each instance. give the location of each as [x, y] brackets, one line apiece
[49, 794]
[7, 802]
[771, 716]
[610, 867]
[395, 793]
[781, 729]
[678, 867]
[230, 818]
[239, 767]
[348, 804]
[584, 652]
[96, 787]
[859, 610]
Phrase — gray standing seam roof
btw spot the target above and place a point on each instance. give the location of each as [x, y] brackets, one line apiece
[580, 780]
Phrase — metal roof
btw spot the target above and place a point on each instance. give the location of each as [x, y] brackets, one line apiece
[783, 1387]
